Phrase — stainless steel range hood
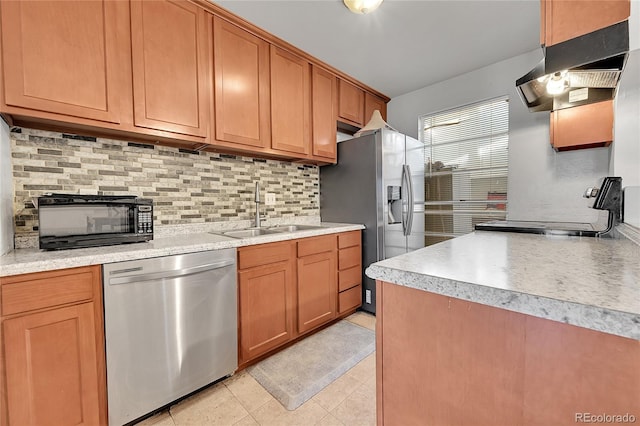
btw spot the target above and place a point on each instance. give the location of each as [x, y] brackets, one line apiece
[584, 70]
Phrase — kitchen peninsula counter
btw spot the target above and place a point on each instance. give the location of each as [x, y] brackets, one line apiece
[588, 282]
[22, 261]
[498, 328]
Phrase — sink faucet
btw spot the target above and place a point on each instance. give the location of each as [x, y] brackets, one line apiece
[257, 200]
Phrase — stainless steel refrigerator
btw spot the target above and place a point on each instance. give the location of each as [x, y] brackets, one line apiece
[379, 182]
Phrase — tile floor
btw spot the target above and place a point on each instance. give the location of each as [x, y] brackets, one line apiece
[240, 400]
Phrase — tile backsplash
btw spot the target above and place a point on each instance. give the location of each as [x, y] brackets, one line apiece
[187, 186]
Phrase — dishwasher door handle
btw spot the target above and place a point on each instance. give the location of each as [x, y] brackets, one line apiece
[175, 273]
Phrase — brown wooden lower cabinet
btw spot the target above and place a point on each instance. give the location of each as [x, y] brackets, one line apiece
[266, 308]
[350, 299]
[471, 364]
[53, 348]
[349, 272]
[266, 295]
[289, 288]
[317, 288]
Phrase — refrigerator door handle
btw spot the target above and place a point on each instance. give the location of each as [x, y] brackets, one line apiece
[407, 174]
[403, 191]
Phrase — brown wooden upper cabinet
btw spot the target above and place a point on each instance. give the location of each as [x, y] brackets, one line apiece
[290, 102]
[585, 126]
[324, 109]
[170, 66]
[172, 72]
[561, 20]
[241, 87]
[350, 103]
[61, 57]
[372, 103]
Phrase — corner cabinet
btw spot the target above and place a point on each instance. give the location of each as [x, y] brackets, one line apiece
[53, 348]
[170, 66]
[350, 104]
[372, 103]
[241, 114]
[75, 72]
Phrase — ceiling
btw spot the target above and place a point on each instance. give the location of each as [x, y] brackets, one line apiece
[404, 45]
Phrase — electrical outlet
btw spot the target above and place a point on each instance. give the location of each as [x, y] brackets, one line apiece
[270, 198]
[367, 296]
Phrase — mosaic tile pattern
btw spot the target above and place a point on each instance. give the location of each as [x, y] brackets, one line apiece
[186, 186]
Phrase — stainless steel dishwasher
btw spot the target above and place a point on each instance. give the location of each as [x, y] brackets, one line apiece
[170, 328]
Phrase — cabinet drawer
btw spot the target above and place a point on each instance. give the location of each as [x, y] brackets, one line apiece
[349, 278]
[349, 257]
[348, 239]
[349, 299]
[263, 254]
[45, 289]
[315, 245]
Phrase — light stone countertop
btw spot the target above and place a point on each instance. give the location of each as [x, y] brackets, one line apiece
[24, 261]
[588, 282]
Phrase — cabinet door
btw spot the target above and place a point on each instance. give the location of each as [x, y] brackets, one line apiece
[350, 103]
[51, 369]
[561, 20]
[324, 98]
[372, 103]
[290, 102]
[168, 46]
[266, 308]
[317, 290]
[585, 126]
[60, 57]
[241, 75]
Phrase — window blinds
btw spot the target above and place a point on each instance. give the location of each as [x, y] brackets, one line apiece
[466, 164]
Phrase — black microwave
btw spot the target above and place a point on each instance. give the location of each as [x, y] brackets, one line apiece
[73, 221]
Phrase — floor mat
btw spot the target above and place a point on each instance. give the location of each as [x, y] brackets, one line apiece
[297, 373]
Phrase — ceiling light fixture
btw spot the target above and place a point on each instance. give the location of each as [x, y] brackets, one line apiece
[362, 7]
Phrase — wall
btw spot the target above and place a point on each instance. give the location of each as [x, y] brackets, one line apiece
[625, 159]
[186, 186]
[6, 191]
[543, 184]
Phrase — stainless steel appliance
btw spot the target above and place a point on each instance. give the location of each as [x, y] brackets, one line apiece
[73, 221]
[170, 329]
[379, 182]
[608, 195]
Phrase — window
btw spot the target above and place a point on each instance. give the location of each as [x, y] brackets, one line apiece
[466, 164]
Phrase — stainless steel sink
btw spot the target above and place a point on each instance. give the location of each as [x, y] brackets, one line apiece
[251, 232]
[293, 228]
[256, 232]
